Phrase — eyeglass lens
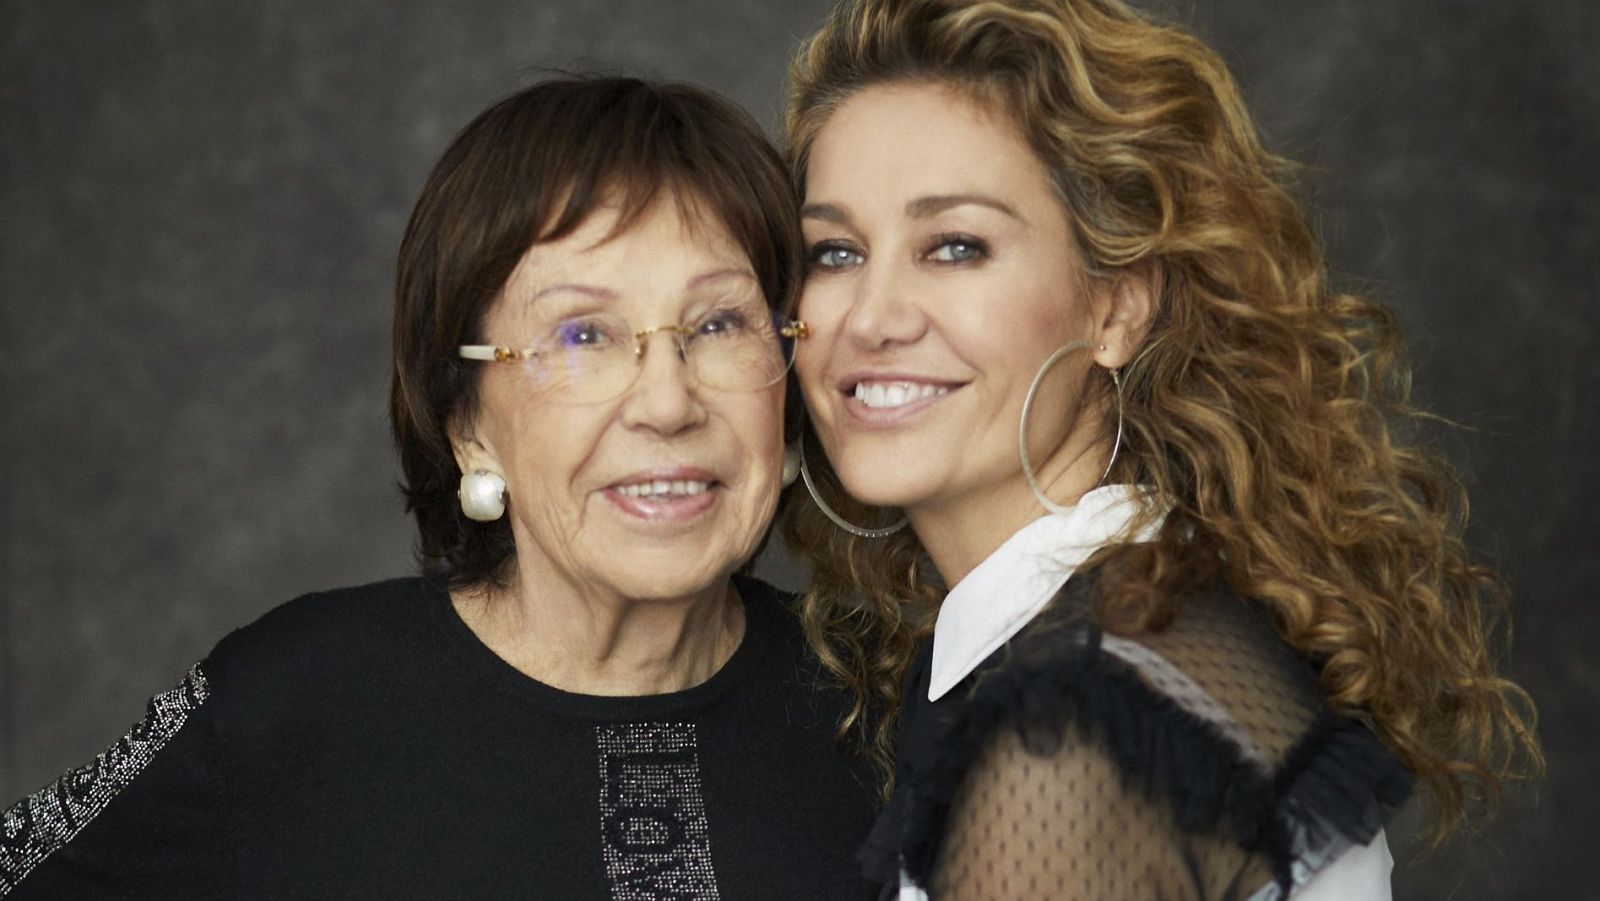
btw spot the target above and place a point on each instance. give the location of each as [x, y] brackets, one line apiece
[734, 344]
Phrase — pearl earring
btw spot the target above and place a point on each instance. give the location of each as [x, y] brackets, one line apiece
[482, 495]
[791, 464]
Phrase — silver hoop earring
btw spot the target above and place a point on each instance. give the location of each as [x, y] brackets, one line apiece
[482, 495]
[859, 532]
[1022, 426]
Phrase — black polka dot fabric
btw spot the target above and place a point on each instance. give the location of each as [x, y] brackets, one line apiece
[1198, 762]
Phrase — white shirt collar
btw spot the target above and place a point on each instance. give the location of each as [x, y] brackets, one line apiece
[1004, 592]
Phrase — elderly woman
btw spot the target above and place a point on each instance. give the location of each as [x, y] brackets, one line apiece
[1208, 617]
[581, 699]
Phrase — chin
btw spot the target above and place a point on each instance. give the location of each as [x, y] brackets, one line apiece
[668, 573]
[883, 483]
[664, 587]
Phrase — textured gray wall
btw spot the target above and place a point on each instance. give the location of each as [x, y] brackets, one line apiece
[201, 203]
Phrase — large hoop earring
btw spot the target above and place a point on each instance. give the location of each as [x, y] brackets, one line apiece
[1022, 426]
[859, 532]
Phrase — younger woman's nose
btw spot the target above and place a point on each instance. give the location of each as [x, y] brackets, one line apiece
[884, 313]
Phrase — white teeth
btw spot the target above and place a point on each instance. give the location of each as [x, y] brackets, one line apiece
[661, 488]
[882, 395]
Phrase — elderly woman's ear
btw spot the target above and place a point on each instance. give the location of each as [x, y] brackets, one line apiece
[483, 486]
[469, 450]
[1125, 303]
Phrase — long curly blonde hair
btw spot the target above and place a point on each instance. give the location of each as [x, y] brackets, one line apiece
[1267, 408]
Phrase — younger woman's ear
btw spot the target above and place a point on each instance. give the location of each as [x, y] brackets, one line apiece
[1129, 305]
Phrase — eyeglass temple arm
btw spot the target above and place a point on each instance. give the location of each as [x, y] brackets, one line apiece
[492, 354]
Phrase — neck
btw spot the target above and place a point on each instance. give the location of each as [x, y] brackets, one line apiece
[586, 642]
[960, 531]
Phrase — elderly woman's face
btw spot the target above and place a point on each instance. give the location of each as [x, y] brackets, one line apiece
[665, 488]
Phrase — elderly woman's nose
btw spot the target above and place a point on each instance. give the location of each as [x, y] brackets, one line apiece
[665, 397]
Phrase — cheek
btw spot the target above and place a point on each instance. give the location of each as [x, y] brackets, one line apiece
[755, 427]
[823, 309]
[824, 303]
[1039, 323]
[496, 424]
[541, 467]
[752, 424]
[764, 424]
[809, 363]
[815, 392]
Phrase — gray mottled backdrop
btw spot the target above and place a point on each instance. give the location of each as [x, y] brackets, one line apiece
[200, 204]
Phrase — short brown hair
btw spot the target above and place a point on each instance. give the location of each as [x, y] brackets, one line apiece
[530, 169]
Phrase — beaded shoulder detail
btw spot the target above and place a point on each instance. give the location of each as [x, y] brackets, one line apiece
[45, 821]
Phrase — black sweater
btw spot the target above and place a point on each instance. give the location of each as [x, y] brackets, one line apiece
[364, 744]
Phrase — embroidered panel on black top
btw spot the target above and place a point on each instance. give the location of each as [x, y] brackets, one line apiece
[653, 814]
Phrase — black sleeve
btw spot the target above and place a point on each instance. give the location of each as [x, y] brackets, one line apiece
[141, 820]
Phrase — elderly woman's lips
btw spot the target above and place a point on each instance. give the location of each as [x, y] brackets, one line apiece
[675, 497]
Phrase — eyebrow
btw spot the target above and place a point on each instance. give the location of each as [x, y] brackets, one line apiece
[598, 293]
[827, 212]
[921, 208]
[718, 275]
[593, 291]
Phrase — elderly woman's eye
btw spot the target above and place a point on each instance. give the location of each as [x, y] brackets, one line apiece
[723, 322]
[834, 255]
[586, 334]
[958, 249]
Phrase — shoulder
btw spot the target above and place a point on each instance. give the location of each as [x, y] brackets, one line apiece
[1213, 716]
[1217, 691]
[1220, 662]
[319, 641]
[787, 664]
[337, 617]
[772, 610]
[763, 593]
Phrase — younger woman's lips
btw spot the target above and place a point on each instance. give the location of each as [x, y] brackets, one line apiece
[889, 417]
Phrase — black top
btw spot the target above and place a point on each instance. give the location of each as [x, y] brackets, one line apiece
[1197, 762]
[364, 743]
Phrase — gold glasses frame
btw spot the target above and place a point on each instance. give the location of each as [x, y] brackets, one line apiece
[792, 329]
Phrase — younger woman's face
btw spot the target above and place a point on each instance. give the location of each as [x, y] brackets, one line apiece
[943, 272]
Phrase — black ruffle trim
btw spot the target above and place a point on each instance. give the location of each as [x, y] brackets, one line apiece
[1338, 784]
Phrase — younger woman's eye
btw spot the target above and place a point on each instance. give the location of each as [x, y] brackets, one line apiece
[958, 249]
[833, 255]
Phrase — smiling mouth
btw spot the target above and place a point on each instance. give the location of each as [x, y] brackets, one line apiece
[661, 489]
[666, 502]
[889, 395]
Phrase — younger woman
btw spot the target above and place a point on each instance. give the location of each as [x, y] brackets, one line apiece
[1207, 616]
